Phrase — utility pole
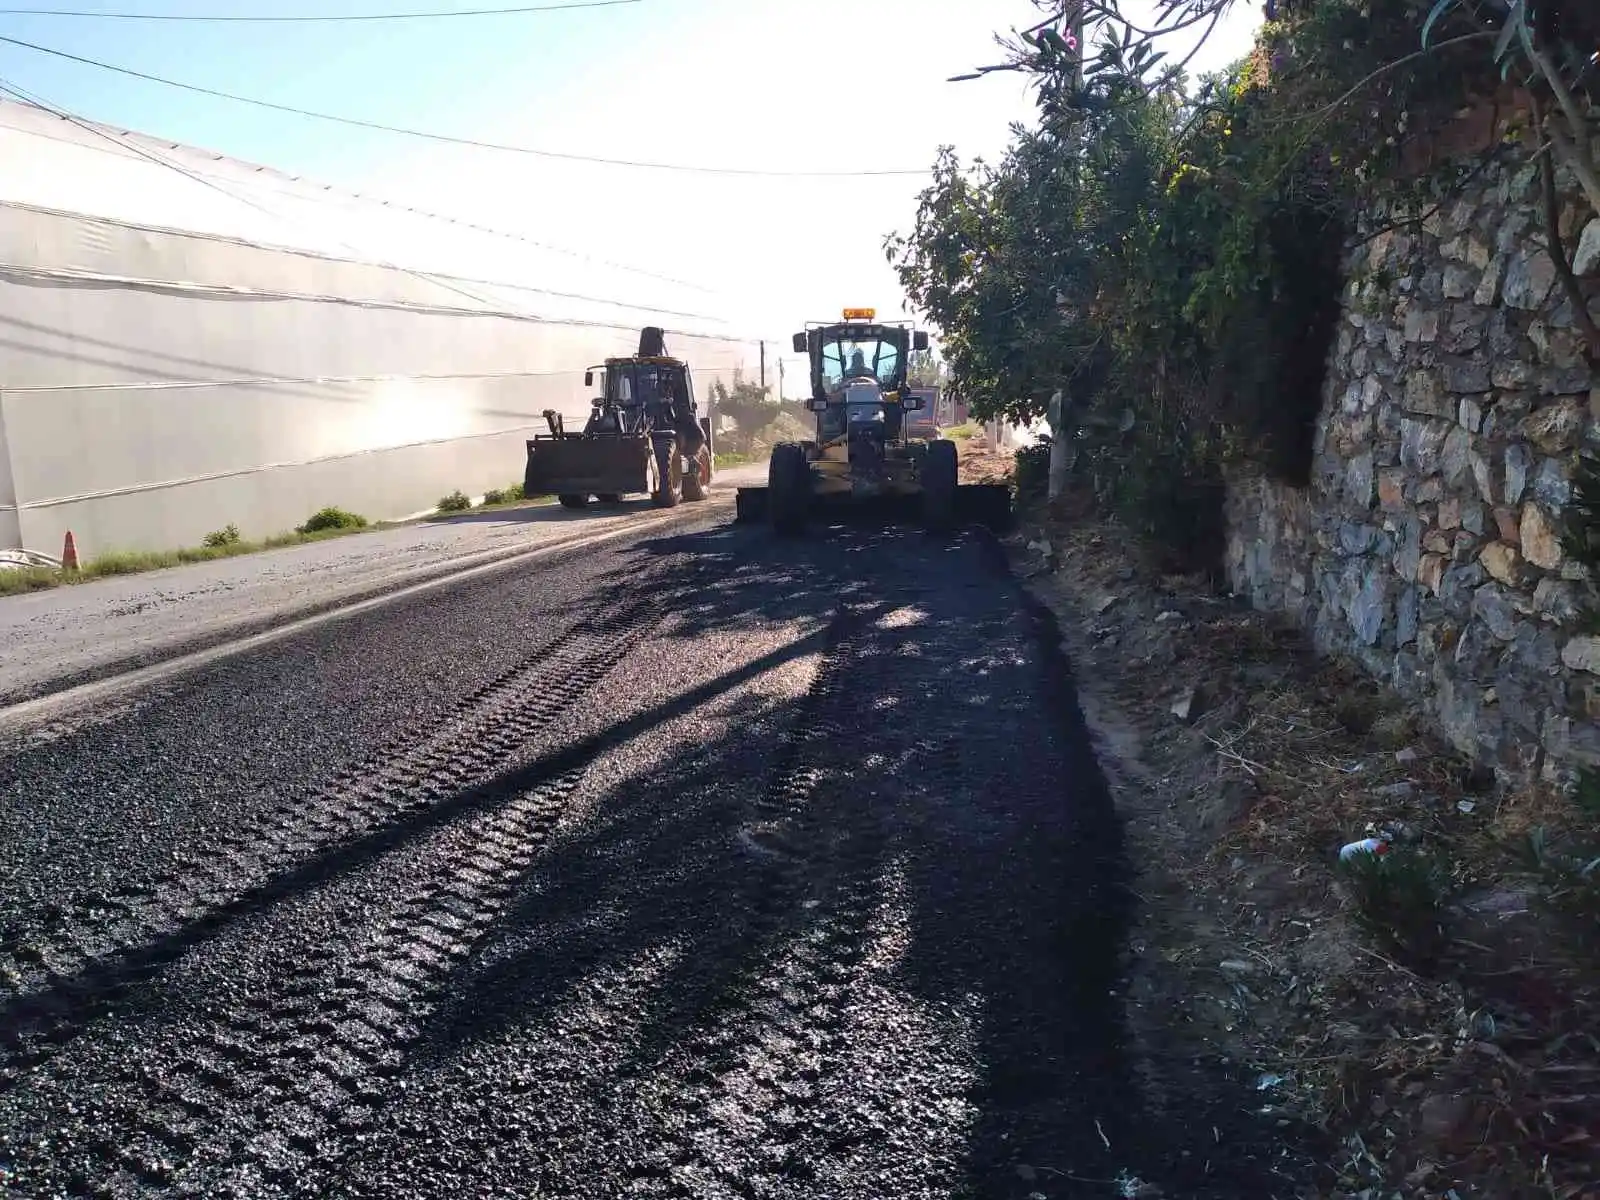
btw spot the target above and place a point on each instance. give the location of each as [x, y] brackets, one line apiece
[1061, 403]
[763, 367]
[780, 379]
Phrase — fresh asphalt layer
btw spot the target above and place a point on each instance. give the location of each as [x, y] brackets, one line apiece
[698, 864]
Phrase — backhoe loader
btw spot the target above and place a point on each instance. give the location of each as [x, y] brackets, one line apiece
[645, 434]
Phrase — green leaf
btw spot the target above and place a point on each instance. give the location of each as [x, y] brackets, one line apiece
[1522, 29]
[1439, 9]
[1513, 25]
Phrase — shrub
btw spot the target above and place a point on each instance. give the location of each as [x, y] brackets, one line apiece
[456, 501]
[1400, 900]
[1032, 471]
[332, 518]
[226, 536]
[494, 496]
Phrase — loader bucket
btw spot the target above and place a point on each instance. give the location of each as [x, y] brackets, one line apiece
[585, 466]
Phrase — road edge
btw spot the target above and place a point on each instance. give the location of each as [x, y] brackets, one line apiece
[28, 705]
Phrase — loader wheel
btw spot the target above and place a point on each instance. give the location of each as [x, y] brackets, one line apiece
[668, 477]
[788, 488]
[939, 476]
[573, 501]
[697, 480]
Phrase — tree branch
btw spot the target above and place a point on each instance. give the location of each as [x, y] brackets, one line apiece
[1410, 222]
[1577, 151]
[1582, 164]
[1558, 252]
[1322, 114]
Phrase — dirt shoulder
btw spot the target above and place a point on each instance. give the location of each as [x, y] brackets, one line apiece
[978, 461]
[1428, 1017]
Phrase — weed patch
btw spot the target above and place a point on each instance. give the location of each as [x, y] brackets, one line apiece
[326, 519]
[226, 542]
[226, 536]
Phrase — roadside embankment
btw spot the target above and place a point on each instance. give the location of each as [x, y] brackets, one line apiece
[1432, 1008]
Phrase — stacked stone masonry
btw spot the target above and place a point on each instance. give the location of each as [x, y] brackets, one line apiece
[1428, 546]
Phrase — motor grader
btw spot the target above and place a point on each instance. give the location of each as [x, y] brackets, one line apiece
[644, 434]
[862, 457]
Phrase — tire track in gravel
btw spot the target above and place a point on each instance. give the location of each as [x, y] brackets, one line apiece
[251, 1092]
[746, 1123]
[599, 966]
[87, 967]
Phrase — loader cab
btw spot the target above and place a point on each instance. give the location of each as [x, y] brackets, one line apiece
[632, 383]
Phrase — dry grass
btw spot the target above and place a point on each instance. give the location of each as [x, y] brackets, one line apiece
[137, 562]
[227, 544]
[977, 462]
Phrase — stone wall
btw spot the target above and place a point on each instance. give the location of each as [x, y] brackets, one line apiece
[1427, 547]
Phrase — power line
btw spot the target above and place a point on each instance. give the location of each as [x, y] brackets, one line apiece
[439, 281]
[427, 214]
[382, 16]
[441, 137]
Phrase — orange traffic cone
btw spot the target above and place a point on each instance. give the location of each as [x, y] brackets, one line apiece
[69, 553]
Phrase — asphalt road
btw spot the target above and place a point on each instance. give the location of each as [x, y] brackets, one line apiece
[698, 866]
[74, 634]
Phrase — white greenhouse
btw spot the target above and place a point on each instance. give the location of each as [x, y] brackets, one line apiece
[190, 341]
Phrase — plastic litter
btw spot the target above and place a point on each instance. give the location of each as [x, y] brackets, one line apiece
[1375, 846]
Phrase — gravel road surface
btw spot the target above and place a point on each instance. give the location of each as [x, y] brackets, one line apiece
[68, 635]
[695, 866]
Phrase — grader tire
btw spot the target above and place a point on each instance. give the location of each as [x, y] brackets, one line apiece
[788, 489]
[939, 479]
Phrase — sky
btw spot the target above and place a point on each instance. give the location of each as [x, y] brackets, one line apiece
[772, 85]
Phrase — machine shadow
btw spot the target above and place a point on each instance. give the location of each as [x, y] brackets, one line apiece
[539, 514]
[976, 790]
[130, 978]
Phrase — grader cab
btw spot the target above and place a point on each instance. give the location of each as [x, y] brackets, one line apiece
[863, 455]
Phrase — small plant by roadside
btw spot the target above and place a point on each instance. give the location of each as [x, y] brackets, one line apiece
[1400, 900]
[1032, 471]
[228, 535]
[961, 433]
[332, 518]
[506, 495]
[456, 501]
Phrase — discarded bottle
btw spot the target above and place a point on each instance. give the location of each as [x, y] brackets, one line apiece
[1377, 847]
